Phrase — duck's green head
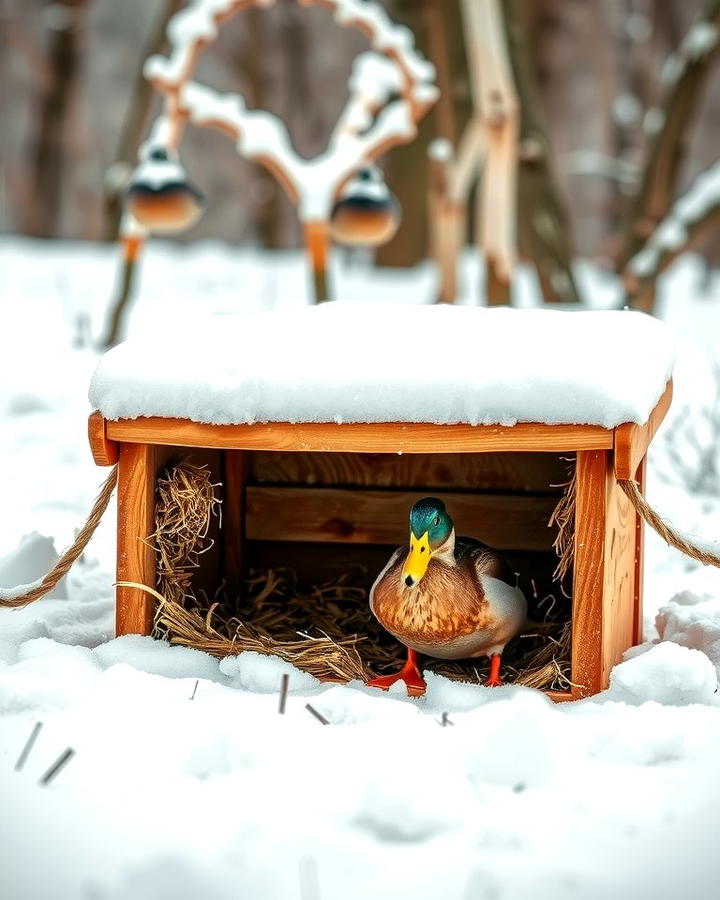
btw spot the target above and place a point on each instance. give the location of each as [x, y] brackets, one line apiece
[430, 527]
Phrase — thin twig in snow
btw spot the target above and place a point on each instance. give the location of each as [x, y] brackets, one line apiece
[284, 684]
[319, 716]
[29, 744]
[57, 766]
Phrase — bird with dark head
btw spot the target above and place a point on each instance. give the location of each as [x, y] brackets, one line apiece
[445, 596]
[366, 214]
[159, 195]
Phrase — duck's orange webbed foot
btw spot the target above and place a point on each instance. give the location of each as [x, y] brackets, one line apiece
[494, 679]
[410, 674]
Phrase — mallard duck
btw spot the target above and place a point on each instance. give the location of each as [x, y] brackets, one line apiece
[445, 596]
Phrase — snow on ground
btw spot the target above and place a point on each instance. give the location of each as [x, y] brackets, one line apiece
[219, 796]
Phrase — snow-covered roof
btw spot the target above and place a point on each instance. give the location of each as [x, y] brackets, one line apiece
[382, 362]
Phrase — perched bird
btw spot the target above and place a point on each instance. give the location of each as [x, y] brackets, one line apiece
[159, 195]
[445, 596]
[366, 213]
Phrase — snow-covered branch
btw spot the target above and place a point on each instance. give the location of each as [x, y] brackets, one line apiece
[698, 208]
[684, 75]
[390, 89]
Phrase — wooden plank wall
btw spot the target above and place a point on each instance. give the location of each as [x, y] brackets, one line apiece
[525, 472]
[503, 499]
[337, 515]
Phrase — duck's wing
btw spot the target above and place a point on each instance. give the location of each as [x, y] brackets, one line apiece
[485, 560]
[395, 561]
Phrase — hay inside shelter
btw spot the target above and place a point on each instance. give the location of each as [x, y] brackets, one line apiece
[326, 630]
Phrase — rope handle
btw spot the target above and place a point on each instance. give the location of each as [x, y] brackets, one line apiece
[667, 533]
[64, 563]
[62, 566]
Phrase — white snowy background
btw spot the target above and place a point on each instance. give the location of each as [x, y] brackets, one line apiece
[221, 797]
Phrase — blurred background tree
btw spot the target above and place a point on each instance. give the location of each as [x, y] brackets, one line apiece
[69, 76]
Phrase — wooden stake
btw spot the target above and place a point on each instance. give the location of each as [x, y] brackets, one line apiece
[316, 242]
[131, 248]
[447, 219]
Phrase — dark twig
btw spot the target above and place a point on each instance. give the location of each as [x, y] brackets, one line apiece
[284, 684]
[120, 303]
[30, 743]
[446, 720]
[319, 716]
[57, 766]
[194, 690]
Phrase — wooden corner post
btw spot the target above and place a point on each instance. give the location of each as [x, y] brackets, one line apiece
[135, 609]
[606, 595]
[588, 582]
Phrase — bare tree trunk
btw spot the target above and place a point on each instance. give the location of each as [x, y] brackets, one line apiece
[43, 209]
[542, 219]
[266, 192]
[437, 25]
[407, 167]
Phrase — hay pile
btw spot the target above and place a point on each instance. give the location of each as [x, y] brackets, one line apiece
[326, 630]
[185, 503]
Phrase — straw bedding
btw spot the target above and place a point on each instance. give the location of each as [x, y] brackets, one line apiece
[326, 630]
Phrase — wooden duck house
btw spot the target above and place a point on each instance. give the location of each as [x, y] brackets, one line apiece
[322, 496]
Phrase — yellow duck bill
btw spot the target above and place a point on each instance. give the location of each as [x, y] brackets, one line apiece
[417, 561]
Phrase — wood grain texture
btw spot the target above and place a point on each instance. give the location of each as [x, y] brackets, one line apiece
[632, 441]
[619, 597]
[526, 472]
[104, 451]
[136, 522]
[381, 517]
[589, 579]
[382, 437]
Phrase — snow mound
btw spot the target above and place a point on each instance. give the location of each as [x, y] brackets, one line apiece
[693, 622]
[24, 566]
[386, 362]
[255, 672]
[158, 658]
[667, 673]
